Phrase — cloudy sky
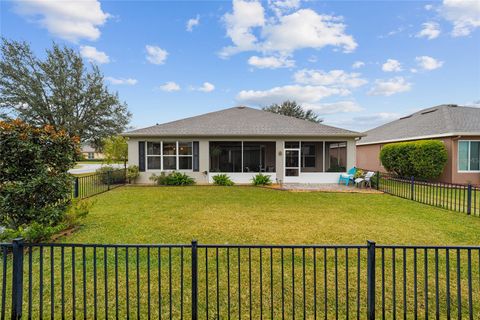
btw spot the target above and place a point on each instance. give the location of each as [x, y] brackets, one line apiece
[356, 63]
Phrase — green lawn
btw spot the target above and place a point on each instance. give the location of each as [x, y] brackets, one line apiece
[259, 215]
[248, 215]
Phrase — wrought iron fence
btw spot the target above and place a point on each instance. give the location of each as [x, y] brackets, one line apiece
[197, 281]
[463, 198]
[95, 183]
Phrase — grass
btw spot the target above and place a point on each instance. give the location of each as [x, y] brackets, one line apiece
[233, 215]
[452, 197]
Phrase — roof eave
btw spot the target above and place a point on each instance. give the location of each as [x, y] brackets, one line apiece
[443, 135]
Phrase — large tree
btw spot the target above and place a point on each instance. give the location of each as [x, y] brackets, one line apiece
[293, 109]
[60, 91]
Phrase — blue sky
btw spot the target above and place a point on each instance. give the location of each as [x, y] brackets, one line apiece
[356, 63]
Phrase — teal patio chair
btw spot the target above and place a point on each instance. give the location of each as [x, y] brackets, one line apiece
[346, 177]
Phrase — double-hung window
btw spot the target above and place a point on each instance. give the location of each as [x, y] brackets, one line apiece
[469, 156]
[154, 155]
[170, 155]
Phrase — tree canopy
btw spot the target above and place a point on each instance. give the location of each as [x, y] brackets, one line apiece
[293, 109]
[115, 149]
[59, 91]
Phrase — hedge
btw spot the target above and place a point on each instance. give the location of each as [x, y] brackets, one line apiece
[423, 159]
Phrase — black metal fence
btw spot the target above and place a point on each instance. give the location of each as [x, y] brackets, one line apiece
[95, 183]
[196, 281]
[463, 198]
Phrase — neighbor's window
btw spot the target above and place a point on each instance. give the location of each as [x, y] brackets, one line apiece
[91, 156]
[469, 156]
[169, 155]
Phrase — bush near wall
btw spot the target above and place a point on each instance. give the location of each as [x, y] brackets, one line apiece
[423, 159]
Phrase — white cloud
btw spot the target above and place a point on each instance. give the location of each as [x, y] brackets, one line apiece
[390, 86]
[271, 62]
[206, 87]
[281, 7]
[428, 7]
[463, 14]
[283, 34]
[69, 20]
[156, 55]
[310, 95]
[334, 78]
[428, 63]
[358, 64]
[239, 24]
[169, 86]
[93, 55]
[119, 81]
[431, 30]
[306, 29]
[335, 107]
[392, 65]
[193, 22]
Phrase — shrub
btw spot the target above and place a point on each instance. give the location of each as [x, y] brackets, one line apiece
[423, 159]
[132, 173]
[34, 183]
[222, 180]
[358, 174]
[173, 179]
[110, 175]
[261, 180]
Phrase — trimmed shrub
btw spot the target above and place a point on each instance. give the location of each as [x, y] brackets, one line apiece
[173, 179]
[261, 180]
[423, 159]
[110, 175]
[222, 180]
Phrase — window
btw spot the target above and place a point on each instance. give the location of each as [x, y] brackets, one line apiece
[335, 156]
[469, 156]
[169, 155]
[185, 155]
[226, 156]
[312, 156]
[91, 156]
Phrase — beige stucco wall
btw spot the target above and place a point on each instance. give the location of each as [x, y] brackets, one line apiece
[204, 161]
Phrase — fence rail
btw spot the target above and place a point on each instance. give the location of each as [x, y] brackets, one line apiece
[463, 198]
[95, 183]
[198, 281]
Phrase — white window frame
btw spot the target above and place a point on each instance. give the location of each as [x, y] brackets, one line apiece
[468, 156]
[161, 155]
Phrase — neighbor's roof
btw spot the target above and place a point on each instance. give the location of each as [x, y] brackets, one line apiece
[439, 121]
[241, 121]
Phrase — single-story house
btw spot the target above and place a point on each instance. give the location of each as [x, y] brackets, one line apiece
[90, 153]
[242, 142]
[458, 127]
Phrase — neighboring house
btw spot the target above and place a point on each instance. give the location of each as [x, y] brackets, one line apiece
[458, 127]
[89, 153]
[241, 142]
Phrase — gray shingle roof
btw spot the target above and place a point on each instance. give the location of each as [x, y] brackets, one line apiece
[443, 120]
[241, 121]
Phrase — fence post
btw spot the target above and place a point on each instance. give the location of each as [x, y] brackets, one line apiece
[378, 180]
[75, 188]
[469, 199]
[108, 179]
[412, 188]
[17, 278]
[371, 279]
[194, 280]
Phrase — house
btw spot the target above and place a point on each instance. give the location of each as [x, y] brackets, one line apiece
[90, 153]
[242, 142]
[458, 127]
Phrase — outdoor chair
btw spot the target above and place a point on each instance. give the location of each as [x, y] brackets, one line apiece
[366, 180]
[346, 177]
